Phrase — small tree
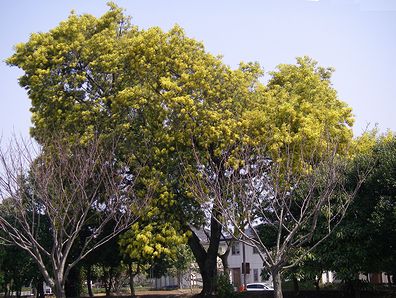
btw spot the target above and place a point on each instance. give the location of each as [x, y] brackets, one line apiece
[71, 187]
[180, 263]
[18, 270]
[147, 244]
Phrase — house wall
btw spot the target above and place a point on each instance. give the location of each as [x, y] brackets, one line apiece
[235, 260]
[328, 277]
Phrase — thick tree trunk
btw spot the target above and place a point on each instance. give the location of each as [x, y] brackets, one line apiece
[207, 259]
[57, 284]
[59, 290]
[276, 277]
[209, 275]
[73, 283]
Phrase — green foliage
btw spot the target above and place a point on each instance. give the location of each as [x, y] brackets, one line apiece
[376, 207]
[224, 287]
[365, 240]
[16, 268]
[183, 259]
[173, 108]
[309, 269]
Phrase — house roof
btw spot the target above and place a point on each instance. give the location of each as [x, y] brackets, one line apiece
[204, 234]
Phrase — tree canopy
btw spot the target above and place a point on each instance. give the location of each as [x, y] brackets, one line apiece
[365, 240]
[176, 109]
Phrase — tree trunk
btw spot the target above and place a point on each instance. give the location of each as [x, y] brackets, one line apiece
[209, 274]
[207, 260]
[89, 281]
[296, 285]
[59, 290]
[107, 291]
[132, 285]
[107, 279]
[131, 280]
[6, 291]
[73, 283]
[224, 261]
[317, 284]
[108, 288]
[179, 279]
[276, 277]
[40, 288]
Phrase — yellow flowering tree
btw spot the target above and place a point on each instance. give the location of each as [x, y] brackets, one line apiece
[158, 93]
[145, 243]
[174, 110]
[289, 170]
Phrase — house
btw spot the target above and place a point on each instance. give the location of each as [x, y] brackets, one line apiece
[373, 278]
[241, 254]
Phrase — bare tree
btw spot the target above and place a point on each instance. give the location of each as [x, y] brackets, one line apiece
[291, 195]
[76, 193]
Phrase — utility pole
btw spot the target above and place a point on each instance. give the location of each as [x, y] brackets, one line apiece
[244, 264]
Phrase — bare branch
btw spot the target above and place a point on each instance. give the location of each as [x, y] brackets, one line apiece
[59, 192]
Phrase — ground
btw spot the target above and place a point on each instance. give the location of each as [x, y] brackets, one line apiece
[172, 293]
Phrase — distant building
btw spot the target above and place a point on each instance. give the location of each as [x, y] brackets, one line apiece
[241, 254]
[237, 254]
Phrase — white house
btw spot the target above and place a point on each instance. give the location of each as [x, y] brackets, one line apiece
[241, 254]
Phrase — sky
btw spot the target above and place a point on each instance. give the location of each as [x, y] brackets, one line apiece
[356, 37]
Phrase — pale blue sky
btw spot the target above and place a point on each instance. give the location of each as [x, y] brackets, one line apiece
[356, 37]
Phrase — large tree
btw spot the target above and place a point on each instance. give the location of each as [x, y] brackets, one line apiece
[160, 91]
[69, 189]
[291, 170]
[173, 103]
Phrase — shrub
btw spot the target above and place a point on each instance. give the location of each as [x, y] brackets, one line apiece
[224, 288]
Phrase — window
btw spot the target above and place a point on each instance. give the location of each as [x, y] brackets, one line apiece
[255, 250]
[235, 250]
[255, 275]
